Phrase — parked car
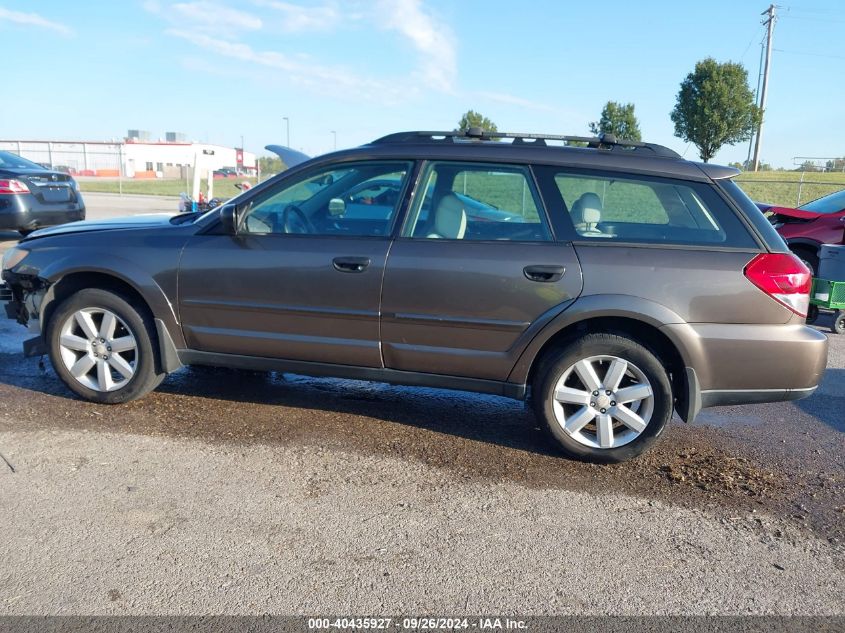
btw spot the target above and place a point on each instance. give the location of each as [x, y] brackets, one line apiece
[376, 199]
[806, 228]
[635, 283]
[32, 196]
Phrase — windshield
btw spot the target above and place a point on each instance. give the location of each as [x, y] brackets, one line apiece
[832, 203]
[9, 160]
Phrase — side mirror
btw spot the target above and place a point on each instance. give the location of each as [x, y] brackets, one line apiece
[230, 218]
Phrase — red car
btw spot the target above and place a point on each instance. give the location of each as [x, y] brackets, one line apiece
[806, 228]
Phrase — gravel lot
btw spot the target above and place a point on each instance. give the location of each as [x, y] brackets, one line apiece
[241, 492]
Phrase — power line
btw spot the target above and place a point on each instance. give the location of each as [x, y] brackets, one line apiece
[812, 18]
[750, 42]
[780, 50]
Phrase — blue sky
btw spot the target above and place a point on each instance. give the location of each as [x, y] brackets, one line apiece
[219, 69]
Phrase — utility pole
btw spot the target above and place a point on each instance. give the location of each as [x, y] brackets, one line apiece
[334, 133]
[770, 27]
[287, 125]
[747, 164]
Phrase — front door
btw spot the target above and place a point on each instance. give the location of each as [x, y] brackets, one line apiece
[302, 279]
[475, 274]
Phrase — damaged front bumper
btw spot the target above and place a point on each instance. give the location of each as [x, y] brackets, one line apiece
[21, 298]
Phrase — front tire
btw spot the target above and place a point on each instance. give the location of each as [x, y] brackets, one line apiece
[103, 347]
[603, 398]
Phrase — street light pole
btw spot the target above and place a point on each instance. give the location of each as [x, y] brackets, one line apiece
[334, 134]
[287, 125]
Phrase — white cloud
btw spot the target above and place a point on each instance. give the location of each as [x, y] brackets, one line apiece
[295, 18]
[214, 27]
[213, 17]
[432, 39]
[333, 80]
[33, 19]
[509, 99]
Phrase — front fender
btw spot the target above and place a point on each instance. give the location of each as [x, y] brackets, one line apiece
[89, 261]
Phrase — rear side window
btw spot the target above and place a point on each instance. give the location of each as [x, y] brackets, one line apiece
[610, 207]
[471, 201]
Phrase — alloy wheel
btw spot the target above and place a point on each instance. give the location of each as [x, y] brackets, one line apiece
[603, 401]
[98, 349]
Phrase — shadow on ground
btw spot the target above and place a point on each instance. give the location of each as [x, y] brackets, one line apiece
[473, 437]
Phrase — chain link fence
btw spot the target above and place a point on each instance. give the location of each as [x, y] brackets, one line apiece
[790, 189]
[161, 169]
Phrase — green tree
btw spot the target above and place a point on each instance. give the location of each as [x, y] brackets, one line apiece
[471, 118]
[618, 119]
[270, 164]
[715, 107]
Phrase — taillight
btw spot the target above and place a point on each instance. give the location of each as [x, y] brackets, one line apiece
[784, 278]
[12, 187]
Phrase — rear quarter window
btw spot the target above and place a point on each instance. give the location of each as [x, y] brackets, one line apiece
[610, 207]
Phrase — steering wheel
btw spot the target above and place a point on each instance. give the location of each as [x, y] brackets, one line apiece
[294, 220]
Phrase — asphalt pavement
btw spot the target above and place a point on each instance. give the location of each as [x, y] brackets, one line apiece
[247, 492]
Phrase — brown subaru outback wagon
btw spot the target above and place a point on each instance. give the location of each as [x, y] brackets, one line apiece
[612, 281]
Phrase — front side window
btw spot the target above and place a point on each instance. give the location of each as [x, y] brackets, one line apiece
[652, 210]
[356, 199]
[468, 201]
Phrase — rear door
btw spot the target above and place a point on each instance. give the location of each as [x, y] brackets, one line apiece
[475, 273]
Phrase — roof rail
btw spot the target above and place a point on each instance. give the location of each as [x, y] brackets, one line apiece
[602, 142]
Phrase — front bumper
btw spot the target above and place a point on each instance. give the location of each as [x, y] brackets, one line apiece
[5, 296]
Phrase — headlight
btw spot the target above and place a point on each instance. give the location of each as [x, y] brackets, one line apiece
[13, 257]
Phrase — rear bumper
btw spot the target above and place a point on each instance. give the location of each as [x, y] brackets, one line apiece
[727, 397]
[752, 358]
[26, 212]
[730, 364]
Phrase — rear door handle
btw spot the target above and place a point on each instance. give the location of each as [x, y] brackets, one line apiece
[351, 264]
[544, 273]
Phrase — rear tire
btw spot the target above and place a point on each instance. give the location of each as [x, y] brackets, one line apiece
[838, 326]
[809, 257]
[575, 393]
[812, 314]
[104, 347]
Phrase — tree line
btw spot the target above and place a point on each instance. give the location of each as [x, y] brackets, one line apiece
[713, 108]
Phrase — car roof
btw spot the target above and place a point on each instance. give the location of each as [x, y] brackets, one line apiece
[600, 154]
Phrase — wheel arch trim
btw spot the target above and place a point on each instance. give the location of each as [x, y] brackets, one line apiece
[123, 271]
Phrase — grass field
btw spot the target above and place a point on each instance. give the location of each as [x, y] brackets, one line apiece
[782, 188]
[223, 187]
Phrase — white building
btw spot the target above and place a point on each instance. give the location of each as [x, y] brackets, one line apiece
[132, 158]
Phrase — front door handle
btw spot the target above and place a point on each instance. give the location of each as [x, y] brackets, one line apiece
[351, 264]
[544, 273]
